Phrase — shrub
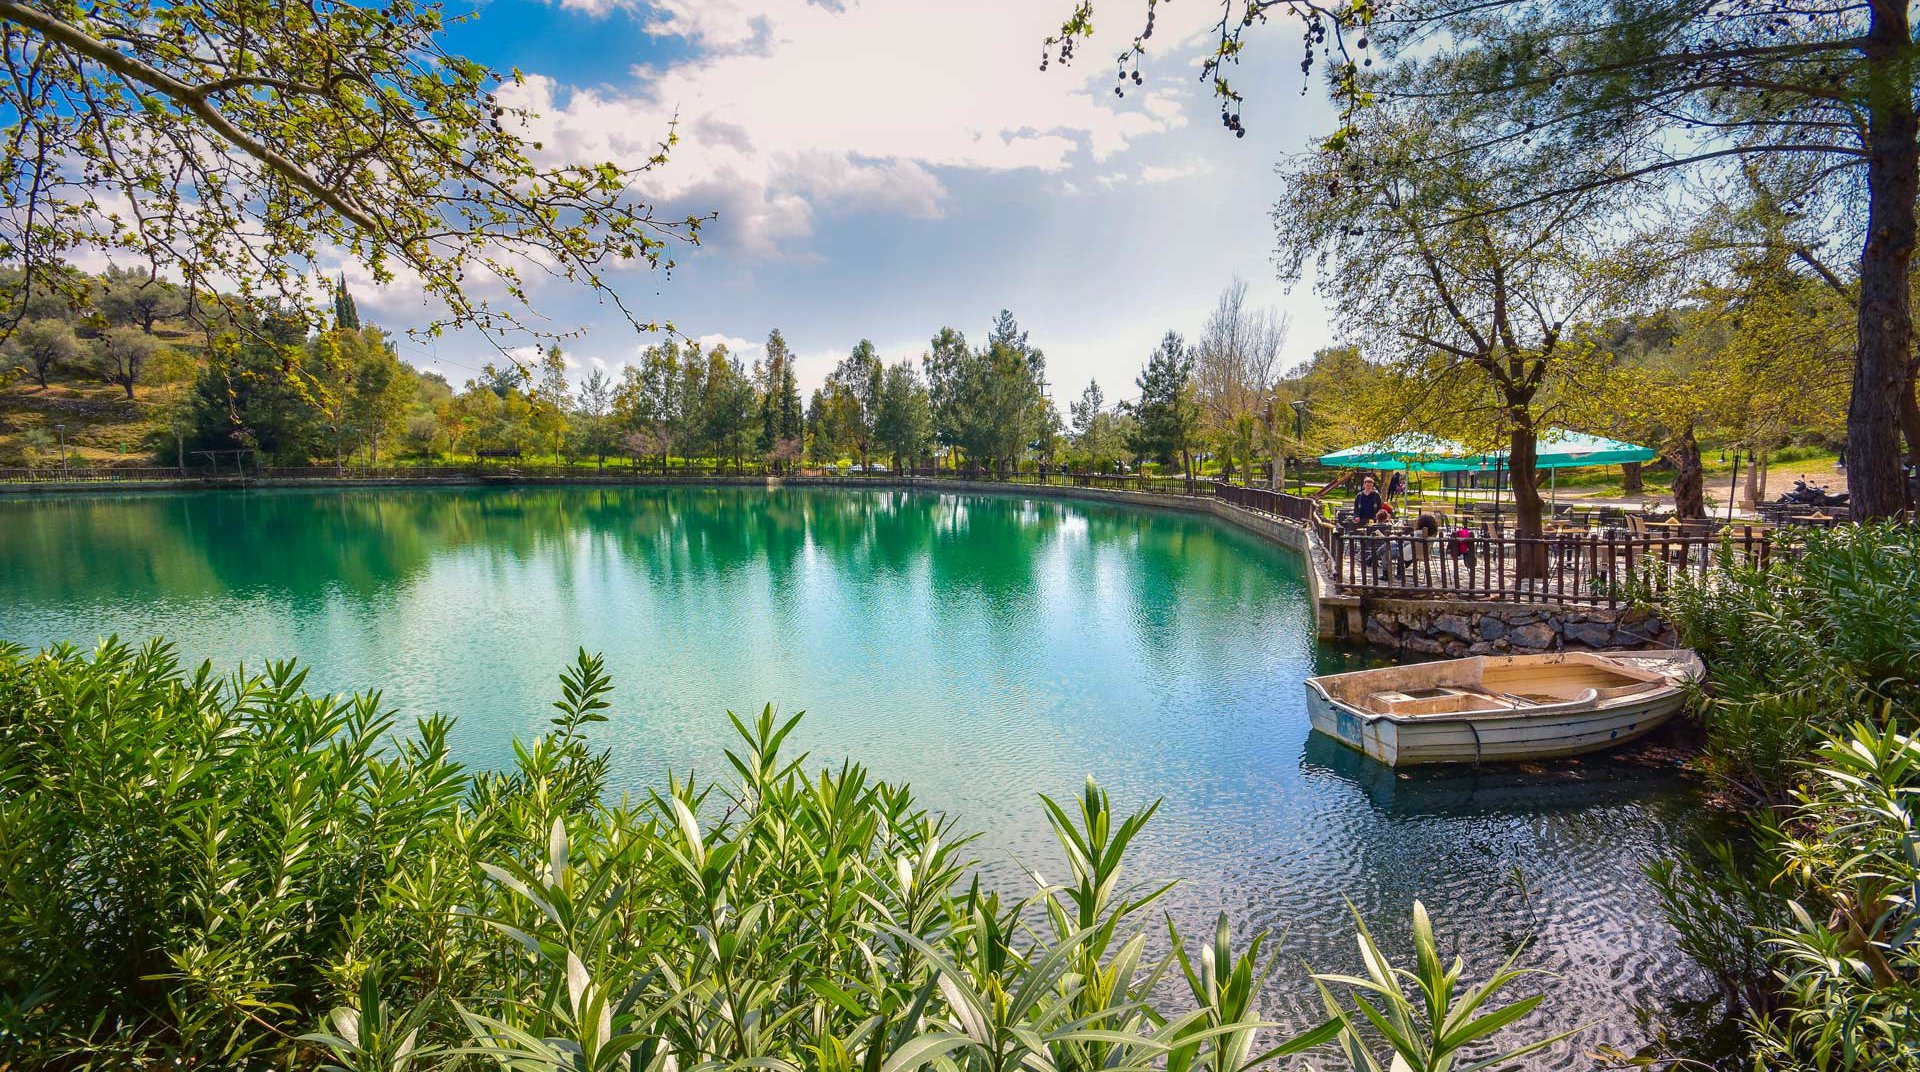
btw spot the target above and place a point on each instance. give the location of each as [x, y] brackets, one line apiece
[1849, 966]
[1820, 638]
[1815, 694]
[225, 872]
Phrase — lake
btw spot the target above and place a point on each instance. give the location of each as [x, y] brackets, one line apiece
[984, 649]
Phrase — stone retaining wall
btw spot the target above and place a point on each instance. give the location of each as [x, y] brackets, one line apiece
[1454, 628]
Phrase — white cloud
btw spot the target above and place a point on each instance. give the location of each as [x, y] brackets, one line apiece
[1152, 173]
[794, 108]
[746, 350]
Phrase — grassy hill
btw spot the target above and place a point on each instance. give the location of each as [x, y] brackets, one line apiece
[103, 426]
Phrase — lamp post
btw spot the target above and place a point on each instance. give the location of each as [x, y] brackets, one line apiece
[1300, 436]
[62, 429]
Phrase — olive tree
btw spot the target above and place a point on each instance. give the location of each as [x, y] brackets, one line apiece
[122, 356]
[45, 345]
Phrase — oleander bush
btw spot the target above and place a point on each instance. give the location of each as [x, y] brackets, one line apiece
[229, 872]
[1812, 721]
[1818, 640]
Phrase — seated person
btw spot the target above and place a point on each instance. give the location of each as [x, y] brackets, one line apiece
[1415, 548]
[1380, 552]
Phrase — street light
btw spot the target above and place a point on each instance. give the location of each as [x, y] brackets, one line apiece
[1300, 436]
[62, 429]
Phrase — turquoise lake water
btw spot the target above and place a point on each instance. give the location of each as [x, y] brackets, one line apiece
[985, 649]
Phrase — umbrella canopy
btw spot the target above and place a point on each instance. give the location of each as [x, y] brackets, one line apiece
[1410, 450]
[1570, 450]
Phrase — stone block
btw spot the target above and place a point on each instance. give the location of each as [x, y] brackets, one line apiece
[1597, 635]
[1453, 625]
[1492, 628]
[1536, 636]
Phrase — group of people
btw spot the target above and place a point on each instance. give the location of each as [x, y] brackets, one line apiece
[1408, 544]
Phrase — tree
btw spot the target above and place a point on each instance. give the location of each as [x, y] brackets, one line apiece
[1167, 413]
[346, 315]
[1235, 364]
[139, 298]
[820, 447]
[644, 403]
[550, 400]
[997, 399]
[904, 425]
[593, 420]
[503, 380]
[1479, 316]
[854, 388]
[595, 397]
[46, 345]
[782, 416]
[1818, 96]
[122, 356]
[251, 139]
[1097, 434]
[686, 415]
[244, 399]
[727, 407]
[381, 391]
[945, 362]
[1740, 363]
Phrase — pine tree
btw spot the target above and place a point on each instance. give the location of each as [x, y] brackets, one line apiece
[782, 415]
[1167, 412]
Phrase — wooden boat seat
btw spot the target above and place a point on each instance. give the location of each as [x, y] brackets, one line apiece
[1458, 700]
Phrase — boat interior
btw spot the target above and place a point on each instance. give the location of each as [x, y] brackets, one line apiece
[1491, 685]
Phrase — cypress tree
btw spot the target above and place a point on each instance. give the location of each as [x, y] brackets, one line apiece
[345, 315]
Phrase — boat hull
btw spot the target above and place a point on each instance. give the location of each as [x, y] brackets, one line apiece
[1488, 737]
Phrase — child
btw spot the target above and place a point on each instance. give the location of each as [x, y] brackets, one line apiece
[1462, 543]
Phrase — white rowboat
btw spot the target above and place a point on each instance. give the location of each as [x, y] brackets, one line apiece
[1491, 708]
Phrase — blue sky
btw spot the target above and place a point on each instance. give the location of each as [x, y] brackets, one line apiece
[885, 168]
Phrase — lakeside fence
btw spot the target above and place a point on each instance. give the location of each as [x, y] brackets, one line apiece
[1602, 568]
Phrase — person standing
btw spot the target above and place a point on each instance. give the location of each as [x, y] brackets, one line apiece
[1367, 503]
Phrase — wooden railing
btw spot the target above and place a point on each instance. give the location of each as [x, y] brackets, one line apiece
[101, 474]
[1598, 567]
[1605, 569]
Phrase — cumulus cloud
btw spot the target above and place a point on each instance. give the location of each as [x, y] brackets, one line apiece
[746, 350]
[791, 108]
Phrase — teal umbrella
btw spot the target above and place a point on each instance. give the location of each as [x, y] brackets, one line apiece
[1409, 450]
[1561, 449]
[1570, 450]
